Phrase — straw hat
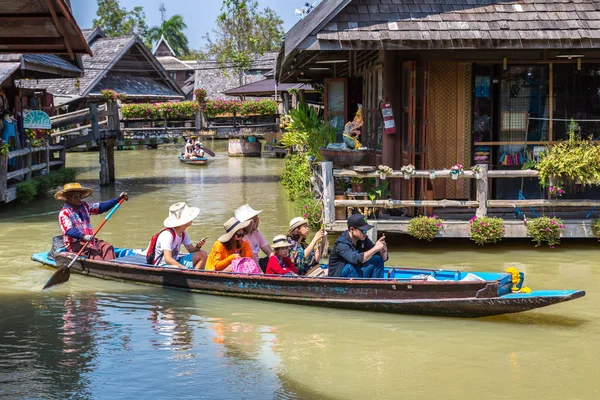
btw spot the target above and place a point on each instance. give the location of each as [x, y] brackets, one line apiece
[73, 187]
[297, 223]
[280, 241]
[231, 227]
[245, 212]
[180, 214]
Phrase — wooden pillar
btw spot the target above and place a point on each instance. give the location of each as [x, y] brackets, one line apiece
[328, 192]
[104, 163]
[106, 142]
[28, 163]
[482, 191]
[3, 179]
[286, 102]
[391, 150]
[302, 96]
[46, 156]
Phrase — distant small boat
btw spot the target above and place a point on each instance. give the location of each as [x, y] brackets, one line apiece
[402, 290]
[193, 161]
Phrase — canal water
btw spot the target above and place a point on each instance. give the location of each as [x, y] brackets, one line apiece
[91, 338]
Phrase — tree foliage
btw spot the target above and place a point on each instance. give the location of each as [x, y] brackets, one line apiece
[118, 21]
[243, 34]
[172, 30]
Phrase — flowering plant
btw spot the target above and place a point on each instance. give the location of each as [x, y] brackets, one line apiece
[486, 229]
[556, 191]
[545, 229]
[457, 169]
[596, 227]
[200, 95]
[476, 169]
[259, 106]
[408, 169]
[4, 148]
[424, 227]
[384, 171]
[154, 111]
[111, 95]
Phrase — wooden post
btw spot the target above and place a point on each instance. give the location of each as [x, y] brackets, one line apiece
[28, 163]
[482, 191]
[198, 127]
[104, 166]
[3, 179]
[47, 159]
[328, 192]
[107, 144]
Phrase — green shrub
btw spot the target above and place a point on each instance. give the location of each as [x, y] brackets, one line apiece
[296, 175]
[45, 183]
[153, 140]
[424, 227]
[596, 227]
[141, 142]
[166, 140]
[26, 191]
[127, 142]
[68, 174]
[175, 140]
[486, 230]
[545, 230]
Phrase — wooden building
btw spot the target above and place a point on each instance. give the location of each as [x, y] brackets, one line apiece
[180, 71]
[123, 64]
[483, 81]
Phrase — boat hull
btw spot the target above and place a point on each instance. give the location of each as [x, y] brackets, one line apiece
[455, 299]
[194, 161]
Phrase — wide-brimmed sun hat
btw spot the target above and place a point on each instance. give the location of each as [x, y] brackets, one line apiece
[231, 227]
[280, 241]
[297, 223]
[180, 214]
[70, 188]
[245, 212]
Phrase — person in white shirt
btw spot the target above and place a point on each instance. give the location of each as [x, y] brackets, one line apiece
[253, 236]
[164, 247]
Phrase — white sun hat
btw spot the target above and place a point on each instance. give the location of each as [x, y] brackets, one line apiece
[245, 212]
[231, 227]
[297, 223]
[280, 241]
[180, 214]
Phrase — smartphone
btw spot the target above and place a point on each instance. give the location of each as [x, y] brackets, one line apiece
[203, 239]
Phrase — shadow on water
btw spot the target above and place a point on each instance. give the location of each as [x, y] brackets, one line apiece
[537, 319]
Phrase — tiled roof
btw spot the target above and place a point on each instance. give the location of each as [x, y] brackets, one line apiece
[107, 52]
[136, 86]
[7, 69]
[49, 64]
[265, 87]
[173, 64]
[453, 24]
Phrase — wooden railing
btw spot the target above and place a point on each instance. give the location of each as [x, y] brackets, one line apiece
[482, 203]
[24, 159]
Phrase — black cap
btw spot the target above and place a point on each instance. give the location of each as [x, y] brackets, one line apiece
[358, 221]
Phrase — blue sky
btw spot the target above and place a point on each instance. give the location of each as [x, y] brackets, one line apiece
[199, 15]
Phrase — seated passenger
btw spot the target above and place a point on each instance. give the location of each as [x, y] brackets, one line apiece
[198, 151]
[354, 255]
[305, 256]
[279, 262]
[229, 246]
[165, 245]
[189, 149]
[75, 223]
[253, 236]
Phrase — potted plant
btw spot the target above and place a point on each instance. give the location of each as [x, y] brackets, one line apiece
[424, 227]
[431, 174]
[486, 230]
[384, 171]
[477, 171]
[456, 170]
[408, 170]
[545, 230]
[357, 184]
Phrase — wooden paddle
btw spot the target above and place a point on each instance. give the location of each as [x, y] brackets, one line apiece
[206, 149]
[63, 273]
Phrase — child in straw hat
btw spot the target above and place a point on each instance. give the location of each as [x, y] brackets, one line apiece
[279, 262]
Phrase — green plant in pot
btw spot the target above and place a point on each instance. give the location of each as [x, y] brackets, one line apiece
[485, 230]
[357, 184]
[424, 227]
[545, 230]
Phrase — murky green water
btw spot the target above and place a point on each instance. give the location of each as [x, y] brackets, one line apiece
[91, 338]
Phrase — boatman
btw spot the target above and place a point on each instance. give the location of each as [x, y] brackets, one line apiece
[74, 220]
[354, 255]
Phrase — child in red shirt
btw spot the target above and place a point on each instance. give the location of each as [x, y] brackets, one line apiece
[280, 263]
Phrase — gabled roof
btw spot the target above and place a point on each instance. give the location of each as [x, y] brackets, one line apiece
[107, 53]
[92, 34]
[456, 24]
[265, 87]
[171, 63]
[41, 65]
[40, 27]
[163, 46]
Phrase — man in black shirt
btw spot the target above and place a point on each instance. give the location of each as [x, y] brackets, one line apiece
[354, 255]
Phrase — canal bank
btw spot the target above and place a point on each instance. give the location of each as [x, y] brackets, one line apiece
[88, 337]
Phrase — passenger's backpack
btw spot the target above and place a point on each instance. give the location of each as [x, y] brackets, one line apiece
[152, 246]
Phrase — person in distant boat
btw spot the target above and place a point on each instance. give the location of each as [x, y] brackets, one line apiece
[198, 151]
[75, 224]
[354, 255]
[305, 255]
[164, 247]
[230, 246]
[256, 239]
[189, 149]
[280, 263]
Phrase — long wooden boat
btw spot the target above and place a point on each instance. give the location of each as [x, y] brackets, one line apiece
[403, 290]
[193, 161]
